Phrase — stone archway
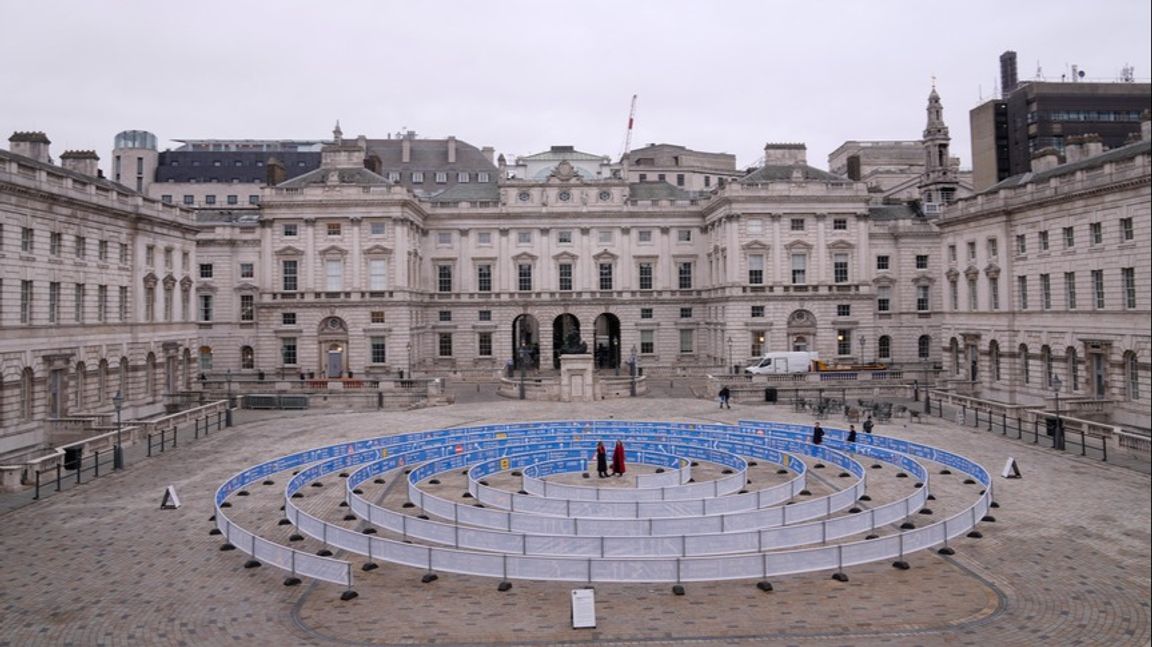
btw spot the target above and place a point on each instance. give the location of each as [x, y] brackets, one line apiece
[332, 341]
[565, 329]
[606, 341]
[525, 342]
[801, 331]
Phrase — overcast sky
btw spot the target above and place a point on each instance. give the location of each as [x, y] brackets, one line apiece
[521, 76]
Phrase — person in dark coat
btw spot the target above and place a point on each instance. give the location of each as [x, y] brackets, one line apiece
[601, 460]
[868, 424]
[618, 467]
[725, 395]
[817, 434]
[852, 435]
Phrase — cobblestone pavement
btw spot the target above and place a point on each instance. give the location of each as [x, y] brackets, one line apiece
[1065, 563]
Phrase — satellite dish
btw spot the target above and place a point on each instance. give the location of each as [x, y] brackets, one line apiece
[1081, 73]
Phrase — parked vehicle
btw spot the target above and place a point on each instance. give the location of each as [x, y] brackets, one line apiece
[784, 362]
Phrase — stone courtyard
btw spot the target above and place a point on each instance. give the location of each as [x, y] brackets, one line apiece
[1065, 563]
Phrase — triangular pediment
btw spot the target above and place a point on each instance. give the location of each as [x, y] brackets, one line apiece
[289, 250]
[565, 257]
[333, 250]
[840, 243]
[756, 245]
[605, 255]
[378, 250]
[525, 257]
[798, 245]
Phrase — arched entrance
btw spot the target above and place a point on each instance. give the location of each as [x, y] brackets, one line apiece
[606, 341]
[525, 342]
[801, 331]
[565, 331]
[332, 337]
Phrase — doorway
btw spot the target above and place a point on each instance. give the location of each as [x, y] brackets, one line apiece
[335, 364]
[565, 332]
[606, 341]
[525, 342]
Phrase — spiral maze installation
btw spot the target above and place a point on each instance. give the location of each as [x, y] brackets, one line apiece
[669, 527]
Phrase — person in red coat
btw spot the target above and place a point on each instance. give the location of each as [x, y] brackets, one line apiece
[618, 467]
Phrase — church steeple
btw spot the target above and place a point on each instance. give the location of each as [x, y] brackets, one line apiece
[938, 182]
[337, 134]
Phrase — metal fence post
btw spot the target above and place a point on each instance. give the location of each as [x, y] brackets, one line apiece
[37, 495]
[58, 466]
[1004, 424]
[162, 440]
[97, 464]
[1035, 431]
[1083, 448]
[175, 436]
[1105, 439]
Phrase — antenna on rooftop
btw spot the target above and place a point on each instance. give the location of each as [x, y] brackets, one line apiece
[1128, 74]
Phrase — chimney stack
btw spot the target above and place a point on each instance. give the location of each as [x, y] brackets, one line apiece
[1092, 147]
[489, 153]
[1074, 148]
[785, 154]
[451, 149]
[32, 144]
[406, 150]
[84, 162]
[274, 172]
[1045, 159]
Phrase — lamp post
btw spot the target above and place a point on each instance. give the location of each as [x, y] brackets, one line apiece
[228, 409]
[408, 359]
[1058, 432]
[118, 453]
[632, 359]
[523, 365]
[730, 355]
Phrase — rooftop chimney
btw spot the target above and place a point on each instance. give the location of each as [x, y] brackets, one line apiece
[85, 162]
[1146, 125]
[451, 149]
[785, 154]
[406, 150]
[1008, 80]
[32, 144]
[274, 172]
[489, 153]
[1045, 159]
[1093, 145]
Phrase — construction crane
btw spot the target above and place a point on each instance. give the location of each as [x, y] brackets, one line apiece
[628, 134]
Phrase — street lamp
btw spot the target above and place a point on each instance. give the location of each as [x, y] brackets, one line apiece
[632, 359]
[408, 359]
[118, 454]
[524, 352]
[228, 409]
[1058, 432]
[730, 356]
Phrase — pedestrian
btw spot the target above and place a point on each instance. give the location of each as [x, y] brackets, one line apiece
[852, 435]
[868, 424]
[618, 467]
[725, 396]
[601, 460]
[817, 434]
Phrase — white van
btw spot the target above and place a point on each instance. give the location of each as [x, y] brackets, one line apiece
[783, 362]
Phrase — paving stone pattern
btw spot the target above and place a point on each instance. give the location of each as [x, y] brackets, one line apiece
[1065, 563]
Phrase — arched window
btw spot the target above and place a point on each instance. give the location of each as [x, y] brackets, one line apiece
[994, 359]
[102, 382]
[1073, 369]
[1046, 365]
[924, 347]
[1132, 375]
[123, 387]
[1025, 374]
[27, 394]
[247, 357]
[150, 376]
[954, 350]
[884, 347]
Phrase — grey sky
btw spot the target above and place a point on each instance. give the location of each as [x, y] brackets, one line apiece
[520, 76]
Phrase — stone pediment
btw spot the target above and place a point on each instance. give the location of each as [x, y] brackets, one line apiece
[798, 245]
[563, 257]
[333, 250]
[971, 272]
[952, 274]
[525, 257]
[840, 244]
[883, 280]
[169, 282]
[564, 172]
[923, 279]
[992, 270]
[150, 280]
[605, 255]
[186, 283]
[756, 245]
[378, 250]
[289, 250]
[247, 287]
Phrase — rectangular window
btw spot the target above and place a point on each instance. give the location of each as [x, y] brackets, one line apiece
[377, 317]
[1070, 290]
[523, 238]
[1126, 231]
[647, 342]
[443, 239]
[168, 257]
[247, 307]
[951, 253]
[1022, 292]
[994, 293]
[644, 236]
[756, 269]
[605, 276]
[291, 230]
[334, 275]
[971, 250]
[484, 278]
[122, 304]
[884, 298]
[484, 238]
[758, 337]
[185, 260]
[150, 255]
[683, 235]
[646, 313]
[102, 250]
[288, 318]
[288, 351]
[253, 199]
[686, 341]
[80, 302]
[484, 344]
[684, 272]
[376, 228]
[1045, 292]
[417, 177]
[205, 307]
[247, 270]
[442, 178]
[55, 243]
[1021, 244]
[840, 268]
[796, 224]
[210, 199]
[149, 303]
[839, 224]
[1128, 279]
[1098, 288]
[564, 272]
[377, 274]
[799, 269]
[53, 302]
[444, 345]
[102, 303]
[844, 341]
[679, 179]
[843, 310]
[484, 315]
[757, 312]
[993, 248]
[333, 229]
[1096, 232]
[205, 270]
[233, 199]
[882, 262]
[379, 350]
[755, 227]
[524, 277]
[25, 302]
[707, 181]
[482, 177]
[604, 236]
[564, 237]
[444, 315]
[290, 276]
[685, 313]
[463, 177]
[443, 278]
[1069, 237]
[645, 276]
[954, 295]
[189, 200]
[1044, 241]
[166, 198]
[922, 303]
[972, 296]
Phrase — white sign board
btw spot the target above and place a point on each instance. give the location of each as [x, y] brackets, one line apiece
[1011, 469]
[170, 501]
[583, 608]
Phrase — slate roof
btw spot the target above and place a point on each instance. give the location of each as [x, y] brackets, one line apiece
[660, 191]
[243, 166]
[359, 176]
[60, 170]
[470, 192]
[558, 153]
[1114, 155]
[783, 172]
[896, 212]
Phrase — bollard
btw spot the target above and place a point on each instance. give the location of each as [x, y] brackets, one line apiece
[37, 495]
[175, 436]
[1083, 449]
[58, 466]
[1004, 424]
[149, 445]
[1104, 439]
[97, 464]
[162, 439]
